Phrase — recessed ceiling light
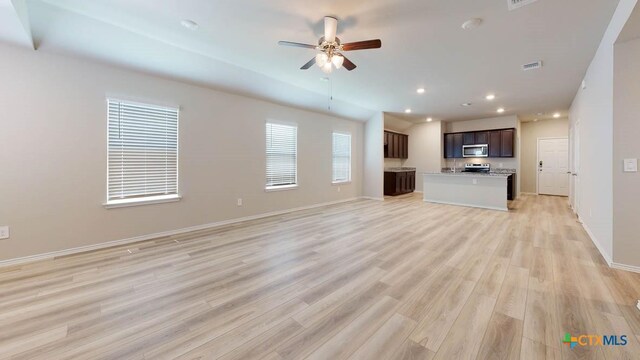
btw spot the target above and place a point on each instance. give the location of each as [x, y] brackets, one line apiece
[490, 97]
[500, 110]
[534, 120]
[420, 91]
[189, 24]
[429, 119]
[556, 115]
[408, 111]
[472, 23]
[466, 104]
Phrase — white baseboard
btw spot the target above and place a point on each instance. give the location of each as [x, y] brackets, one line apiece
[372, 198]
[528, 193]
[635, 269]
[81, 249]
[595, 242]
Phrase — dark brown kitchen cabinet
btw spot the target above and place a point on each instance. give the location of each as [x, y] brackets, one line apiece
[457, 145]
[399, 182]
[500, 142]
[481, 137]
[396, 146]
[469, 138]
[495, 143]
[448, 146]
[506, 143]
[511, 187]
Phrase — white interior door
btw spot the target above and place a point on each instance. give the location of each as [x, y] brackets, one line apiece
[553, 166]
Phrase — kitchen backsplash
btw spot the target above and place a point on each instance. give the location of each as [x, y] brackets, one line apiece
[391, 163]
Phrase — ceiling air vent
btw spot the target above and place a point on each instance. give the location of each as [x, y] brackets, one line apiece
[532, 66]
[514, 4]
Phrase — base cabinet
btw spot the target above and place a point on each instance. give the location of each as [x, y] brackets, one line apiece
[511, 187]
[398, 183]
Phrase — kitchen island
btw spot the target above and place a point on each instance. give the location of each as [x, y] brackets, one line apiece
[482, 190]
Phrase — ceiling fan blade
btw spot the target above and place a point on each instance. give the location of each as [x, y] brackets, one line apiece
[347, 64]
[309, 64]
[295, 44]
[362, 45]
[330, 28]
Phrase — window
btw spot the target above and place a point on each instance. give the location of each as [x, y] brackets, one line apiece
[142, 153]
[282, 156]
[341, 157]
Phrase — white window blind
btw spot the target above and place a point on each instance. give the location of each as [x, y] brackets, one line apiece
[341, 157]
[282, 155]
[142, 151]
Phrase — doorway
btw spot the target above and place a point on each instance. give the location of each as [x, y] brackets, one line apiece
[553, 166]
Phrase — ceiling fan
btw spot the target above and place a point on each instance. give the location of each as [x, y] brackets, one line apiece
[331, 48]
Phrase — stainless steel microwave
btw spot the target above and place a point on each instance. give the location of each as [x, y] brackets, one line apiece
[475, 150]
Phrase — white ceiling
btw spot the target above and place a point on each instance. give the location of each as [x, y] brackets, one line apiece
[236, 49]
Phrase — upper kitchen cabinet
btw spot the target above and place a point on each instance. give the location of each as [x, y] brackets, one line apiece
[396, 146]
[481, 137]
[458, 141]
[506, 143]
[495, 143]
[469, 138]
[500, 142]
[448, 146]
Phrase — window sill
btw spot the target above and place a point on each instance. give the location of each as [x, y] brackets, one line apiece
[346, 182]
[281, 188]
[114, 204]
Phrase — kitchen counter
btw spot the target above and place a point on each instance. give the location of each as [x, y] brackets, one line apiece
[399, 169]
[482, 190]
[451, 173]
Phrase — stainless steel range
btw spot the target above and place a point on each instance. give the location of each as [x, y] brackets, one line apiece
[483, 168]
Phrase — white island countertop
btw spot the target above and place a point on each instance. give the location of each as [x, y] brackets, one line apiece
[482, 190]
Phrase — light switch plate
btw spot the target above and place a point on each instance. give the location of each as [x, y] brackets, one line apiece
[630, 165]
[4, 232]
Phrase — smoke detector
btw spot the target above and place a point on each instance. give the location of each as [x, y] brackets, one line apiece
[515, 4]
[472, 23]
[532, 66]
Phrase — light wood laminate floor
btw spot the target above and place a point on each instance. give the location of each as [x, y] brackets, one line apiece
[399, 279]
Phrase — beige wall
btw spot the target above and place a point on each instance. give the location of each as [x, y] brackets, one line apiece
[531, 131]
[425, 149]
[373, 179]
[592, 109]
[53, 154]
[626, 129]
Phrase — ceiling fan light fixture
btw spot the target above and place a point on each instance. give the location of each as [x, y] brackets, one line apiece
[322, 59]
[327, 68]
[337, 60]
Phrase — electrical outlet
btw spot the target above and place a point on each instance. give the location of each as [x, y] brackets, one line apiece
[239, 201]
[475, 181]
[500, 165]
[338, 188]
[4, 232]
